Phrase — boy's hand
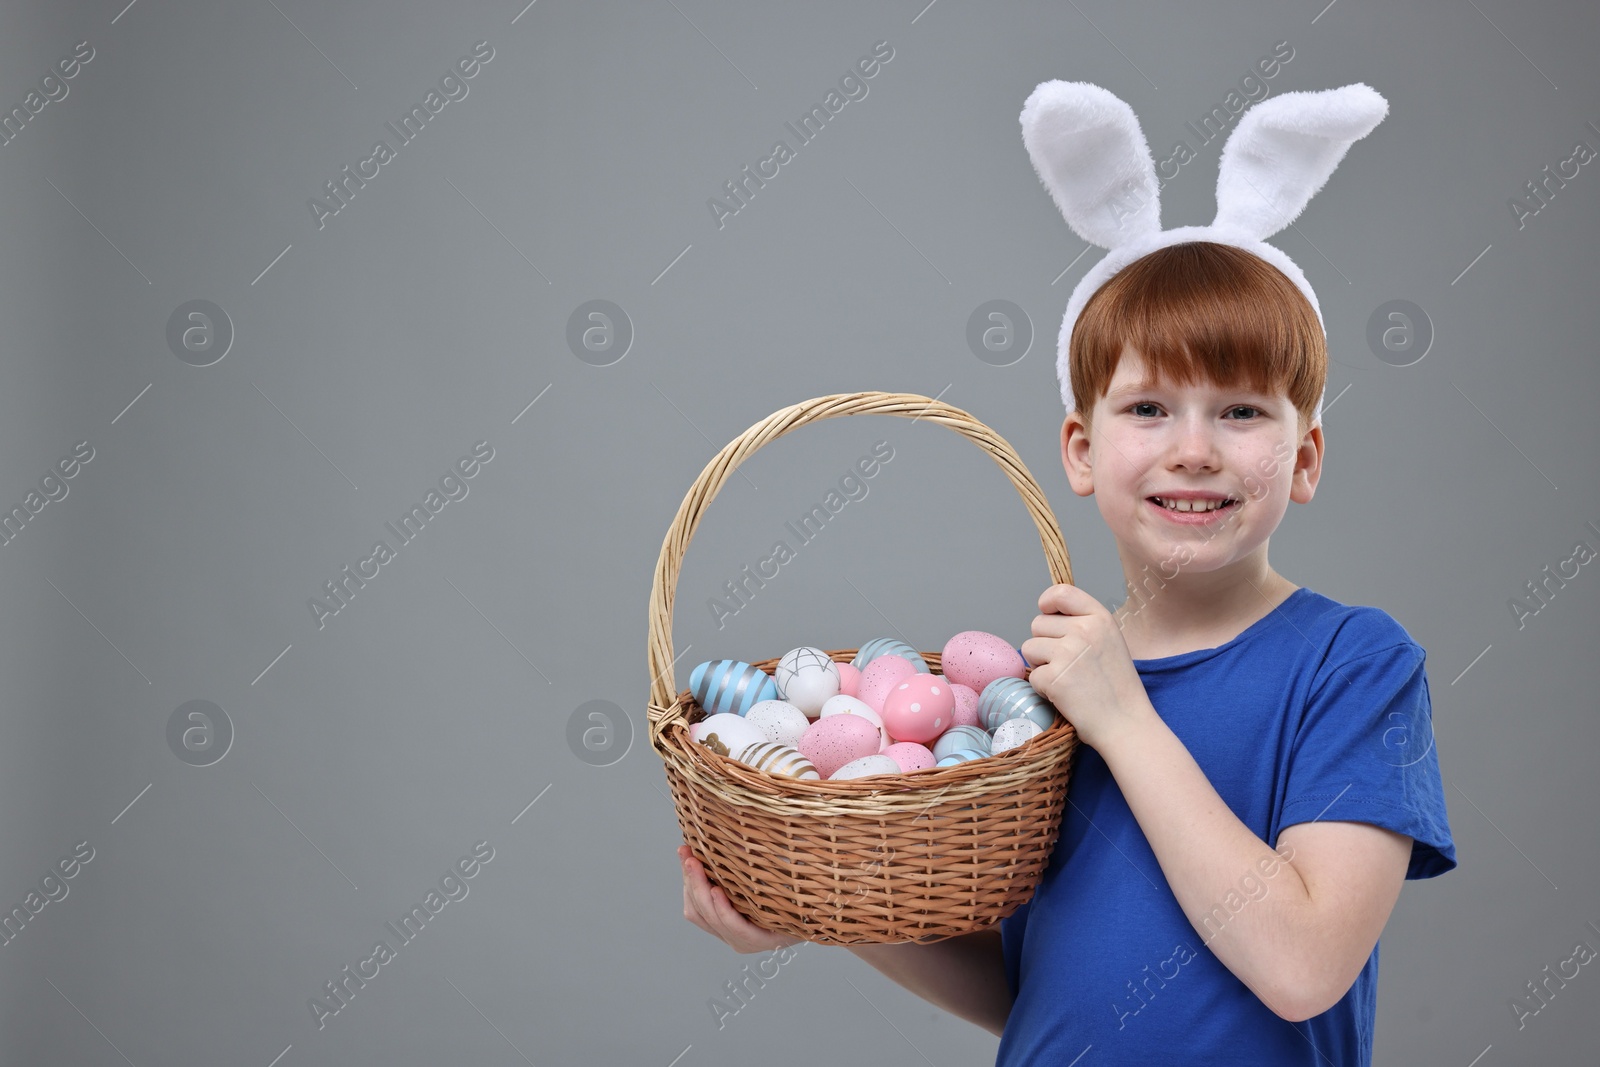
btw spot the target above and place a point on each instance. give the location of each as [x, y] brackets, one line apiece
[1082, 665]
[709, 908]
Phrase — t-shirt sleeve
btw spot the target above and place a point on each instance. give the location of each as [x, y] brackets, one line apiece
[1365, 751]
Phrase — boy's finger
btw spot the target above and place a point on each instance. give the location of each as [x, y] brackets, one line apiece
[691, 911]
[1049, 626]
[727, 915]
[1065, 599]
[696, 894]
[704, 911]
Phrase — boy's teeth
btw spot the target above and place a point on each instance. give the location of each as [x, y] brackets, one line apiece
[1191, 505]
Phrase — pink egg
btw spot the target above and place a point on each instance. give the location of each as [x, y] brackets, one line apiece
[910, 756]
[919, 708]
[974, 658]
[966, 713]
[831, 742]
[848, 705]
[849, 679]
[880, 676]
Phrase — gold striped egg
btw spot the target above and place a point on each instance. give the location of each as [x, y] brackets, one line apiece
[781, 760]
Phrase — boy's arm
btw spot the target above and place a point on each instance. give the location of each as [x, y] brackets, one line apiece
[964, 975]
[1300, 945]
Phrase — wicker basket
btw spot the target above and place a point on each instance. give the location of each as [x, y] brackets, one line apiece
[914, 857]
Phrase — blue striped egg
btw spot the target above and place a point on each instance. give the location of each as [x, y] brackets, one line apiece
[1013, 698]
[888, 646]
[961, 737]
[730, 685]
[965, 755]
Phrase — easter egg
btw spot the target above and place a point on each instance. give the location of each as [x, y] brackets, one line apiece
[975, 658]
[806, 678]
[888, 646]
[959, 737]
[725, 733]
[880, 676]
[966, 713]
[832, 742]
[778, 759]
[780, 721]
[965, 755]
[1014, 732]
[849, 678]
[919, 708]
[910, 756]
[730, 685]
[865, 767]
[845, 705]
[1012, 698]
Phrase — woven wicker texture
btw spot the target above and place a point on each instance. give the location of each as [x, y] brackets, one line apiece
[911, 857]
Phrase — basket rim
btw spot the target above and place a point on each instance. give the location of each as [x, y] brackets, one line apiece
[662, 707]
[970, 780]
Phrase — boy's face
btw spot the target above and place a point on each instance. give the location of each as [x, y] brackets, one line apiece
[1170, 440]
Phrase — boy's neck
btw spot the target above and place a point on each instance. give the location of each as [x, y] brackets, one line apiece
[1197, 611]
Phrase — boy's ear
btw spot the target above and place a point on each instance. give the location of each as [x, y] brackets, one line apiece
[1307, 466]
[1075, 454]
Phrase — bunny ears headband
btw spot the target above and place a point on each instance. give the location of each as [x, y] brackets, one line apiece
[1089, 151]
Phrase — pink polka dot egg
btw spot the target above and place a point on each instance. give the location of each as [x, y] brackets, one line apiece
[919, 708]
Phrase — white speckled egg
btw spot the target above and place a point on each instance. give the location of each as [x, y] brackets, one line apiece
[1014, 732]
[780, 721]
[865, 767]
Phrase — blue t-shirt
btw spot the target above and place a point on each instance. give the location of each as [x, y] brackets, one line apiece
[1316, 711]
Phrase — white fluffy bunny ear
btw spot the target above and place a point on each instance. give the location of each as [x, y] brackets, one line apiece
[1282, 152]
[1089, 151]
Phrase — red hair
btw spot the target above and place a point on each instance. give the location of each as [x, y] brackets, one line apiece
[1201, 311]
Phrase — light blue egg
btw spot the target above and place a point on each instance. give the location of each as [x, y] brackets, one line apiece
[730, 685]
[1013, 698]
[961, 737]
[889, 646]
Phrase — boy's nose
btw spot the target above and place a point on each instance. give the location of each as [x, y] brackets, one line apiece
[1195, 443]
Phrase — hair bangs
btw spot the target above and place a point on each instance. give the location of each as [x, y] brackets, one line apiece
[1202, 312]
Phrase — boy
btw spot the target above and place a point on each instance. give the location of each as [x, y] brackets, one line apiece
[1257, 775]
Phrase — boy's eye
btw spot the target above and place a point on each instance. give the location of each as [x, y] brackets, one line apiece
[1135, 409]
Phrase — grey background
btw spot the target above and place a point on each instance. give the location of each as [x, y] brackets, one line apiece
[372, 753]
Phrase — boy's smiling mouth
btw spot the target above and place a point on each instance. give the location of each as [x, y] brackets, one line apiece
[1194, 509]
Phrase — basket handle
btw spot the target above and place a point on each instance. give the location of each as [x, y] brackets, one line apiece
[906, 405]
